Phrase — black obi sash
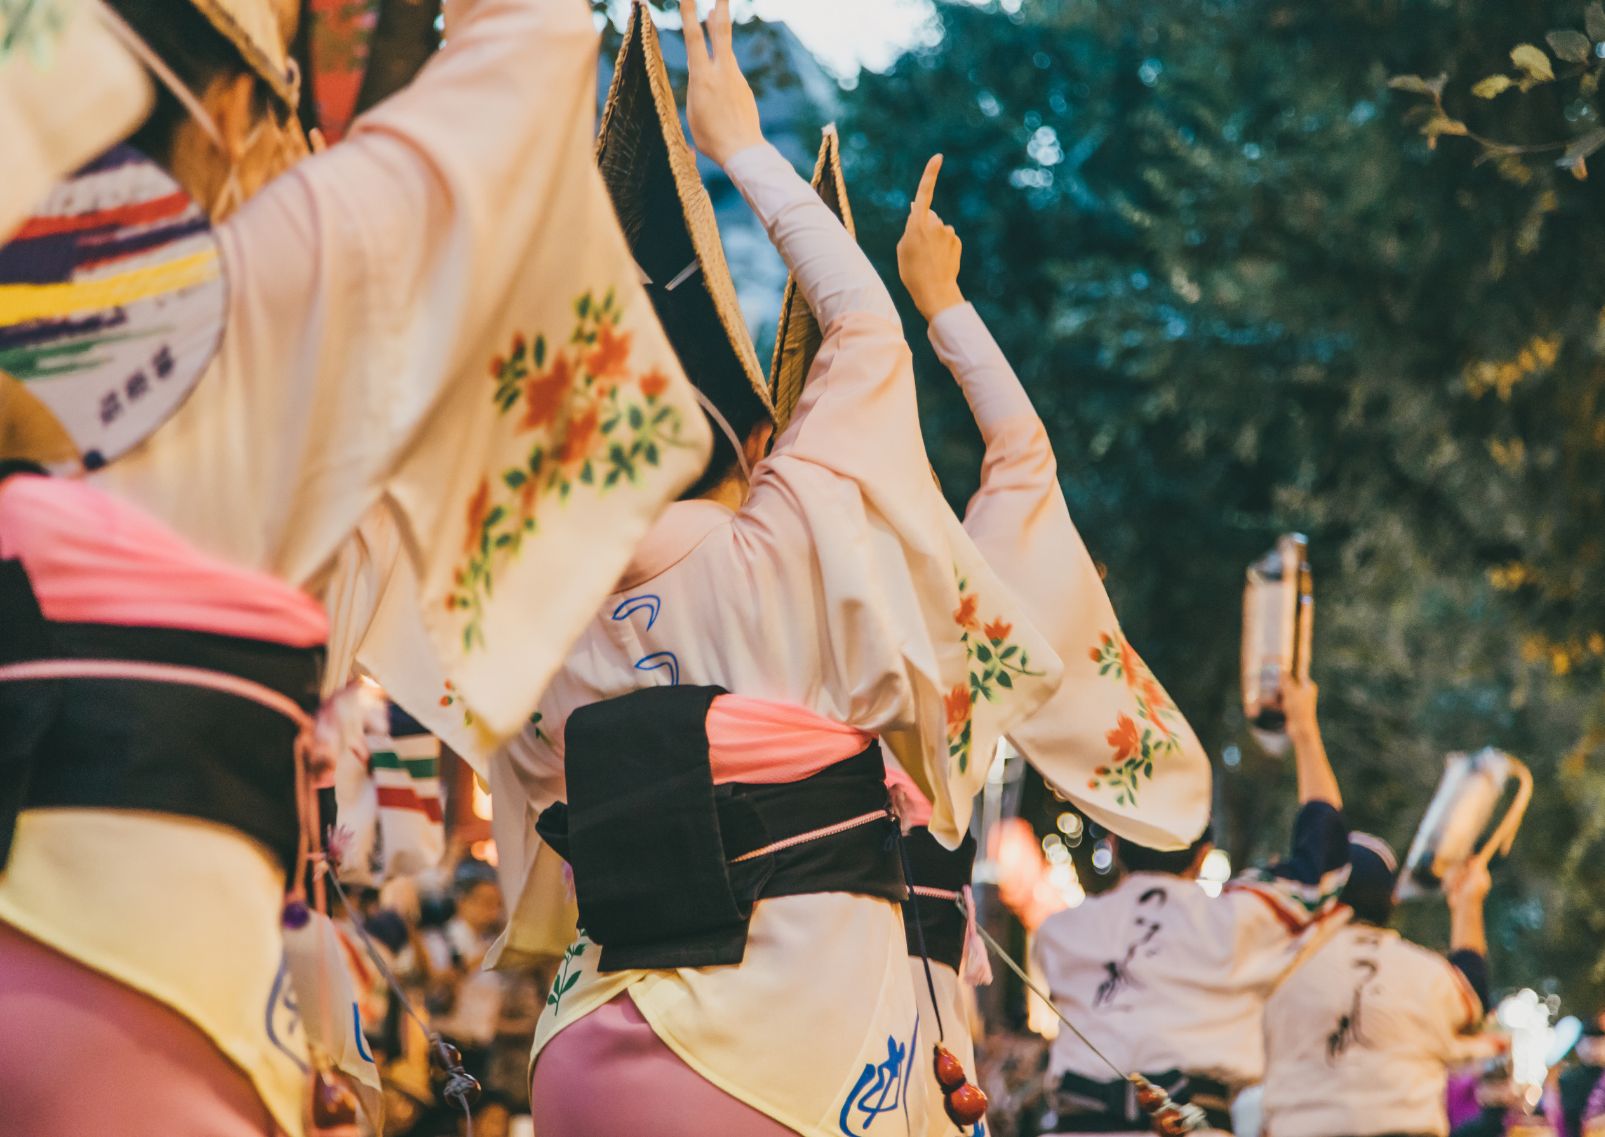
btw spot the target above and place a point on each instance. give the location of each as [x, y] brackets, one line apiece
[143, 745]
[1085, 1105]
[939, 918]
[663, 862]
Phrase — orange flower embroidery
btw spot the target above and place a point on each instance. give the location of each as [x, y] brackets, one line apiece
[957, 704]
[543, 394]
[1096, 655]
[612, 351]
[964, 615]
[1129, 661]
[478, 510]
[998, 630]
[1158, 703]
[577, 442]
[1124, 738]
[654, 383]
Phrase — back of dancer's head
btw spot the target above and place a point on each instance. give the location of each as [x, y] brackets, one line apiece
[1373, 873]
[1141, 858]
[723, 465]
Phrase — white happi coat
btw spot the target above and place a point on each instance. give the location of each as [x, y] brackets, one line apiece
[1360, 1037]
[1161, 976]
[845, 586]
[436, 323]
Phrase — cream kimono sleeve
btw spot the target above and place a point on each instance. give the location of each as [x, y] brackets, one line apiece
[974, 663]
[68, 90]
[1110, 738]
[435, 328]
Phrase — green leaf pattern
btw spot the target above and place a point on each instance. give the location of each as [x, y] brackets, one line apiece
[585, 418]
[994, 660]
[1136, 743]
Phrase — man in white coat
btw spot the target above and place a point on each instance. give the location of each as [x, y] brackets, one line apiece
[1171, 983]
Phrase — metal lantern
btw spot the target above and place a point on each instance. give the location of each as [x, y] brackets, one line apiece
[1278, 623]
[1461, 810]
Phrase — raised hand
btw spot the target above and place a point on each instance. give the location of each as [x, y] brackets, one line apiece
[719, 103]
[929, 252]
[1298, 705]
[1467, 884]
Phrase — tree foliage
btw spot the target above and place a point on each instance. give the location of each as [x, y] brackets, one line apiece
[1248, 296]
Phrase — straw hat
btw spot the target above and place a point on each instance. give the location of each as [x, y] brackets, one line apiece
[668, 221]
[261, 31]
[797, 337]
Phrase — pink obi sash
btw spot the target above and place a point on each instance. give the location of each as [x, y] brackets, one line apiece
[91, 559]
[759, 742]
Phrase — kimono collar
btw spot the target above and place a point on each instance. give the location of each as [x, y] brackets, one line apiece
[678, 529]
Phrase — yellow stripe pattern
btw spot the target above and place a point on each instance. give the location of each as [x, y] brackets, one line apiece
[24, 303]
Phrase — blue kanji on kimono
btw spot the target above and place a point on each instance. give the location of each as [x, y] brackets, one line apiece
[880, 1089]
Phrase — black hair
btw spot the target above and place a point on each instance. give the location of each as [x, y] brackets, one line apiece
[721, 462]
[196, 52]
[1369, 890]
[724, 460]
[472, 873]
[1140, 858]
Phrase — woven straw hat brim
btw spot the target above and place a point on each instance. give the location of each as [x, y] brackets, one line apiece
[257, 33]
[798, 335]
[668, 221]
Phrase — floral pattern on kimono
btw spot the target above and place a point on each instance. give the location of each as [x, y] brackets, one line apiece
[1110, 738]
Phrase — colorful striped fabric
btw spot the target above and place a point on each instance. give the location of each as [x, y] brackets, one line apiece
[406, 773]
[112, 304]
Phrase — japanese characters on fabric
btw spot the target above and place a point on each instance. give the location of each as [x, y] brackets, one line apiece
[67, 91]
[112, 300]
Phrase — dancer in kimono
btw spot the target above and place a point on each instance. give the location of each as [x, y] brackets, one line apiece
[1359, 1039]
[403, 279]
[1019, 520]
[707, 761]
[142, 871]
[1170, 982]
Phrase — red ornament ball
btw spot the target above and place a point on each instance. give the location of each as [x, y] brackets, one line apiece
[1170, 1122]
[949, 1070]
[966, 1105]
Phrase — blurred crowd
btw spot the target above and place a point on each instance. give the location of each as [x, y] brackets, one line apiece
[432, 931]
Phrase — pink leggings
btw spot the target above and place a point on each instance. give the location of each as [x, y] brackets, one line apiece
[82, 1055]
[608, 1075]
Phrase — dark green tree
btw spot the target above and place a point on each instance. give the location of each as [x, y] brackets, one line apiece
[1248, 297]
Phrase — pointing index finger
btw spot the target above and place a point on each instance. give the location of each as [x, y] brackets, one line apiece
[927, 187]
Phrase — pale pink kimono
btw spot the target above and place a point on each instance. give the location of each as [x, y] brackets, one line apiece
[80, 1051]
[377, 293]
[835, 589]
